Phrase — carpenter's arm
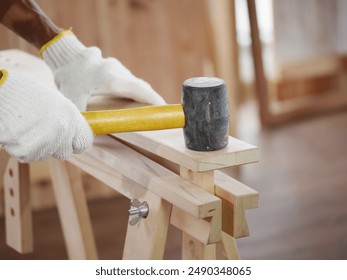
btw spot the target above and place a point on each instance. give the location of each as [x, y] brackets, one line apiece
[27, 20]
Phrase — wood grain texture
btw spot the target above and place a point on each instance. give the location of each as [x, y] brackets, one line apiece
[230, 249]
[236, 198]
[4, 157]
[126, 163]
[19, 230]
[147, 239]
[193, 248]
[73, 210]
[169, 144]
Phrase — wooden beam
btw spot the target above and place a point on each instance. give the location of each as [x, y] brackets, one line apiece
[73, 210]
[107, 152]
[206, 231]
[192, 247]
[4, 157]
[147, 239]
[169, 144]
[231, 252]
[236, 198]
[18, 216]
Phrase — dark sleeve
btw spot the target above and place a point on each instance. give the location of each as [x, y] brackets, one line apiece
[4, 6]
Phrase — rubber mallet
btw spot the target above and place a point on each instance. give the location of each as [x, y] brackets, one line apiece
[203, 115]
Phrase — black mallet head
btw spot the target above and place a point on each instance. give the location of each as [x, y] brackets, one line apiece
[205, 106]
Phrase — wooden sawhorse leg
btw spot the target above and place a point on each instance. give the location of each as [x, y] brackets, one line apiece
[18, 216]
[147, 239]
[73, 210]
[192, 248]
[170, 197]
[206, 205]
[71, 203]
[202, 170]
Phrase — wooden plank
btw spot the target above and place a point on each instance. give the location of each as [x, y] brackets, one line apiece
[205, 181]
[147, 239]
[193, 249]
[169, 144]
[231, 252]
[112, 156]
[236, 198]
[73, 210]
[114, 179]
[235, 192]
[4, 157]
[18, 216]
[151, 232]
[204, 230]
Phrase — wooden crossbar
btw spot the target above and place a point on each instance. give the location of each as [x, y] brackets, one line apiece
[169, 144]
[117, 158]
[236, 198]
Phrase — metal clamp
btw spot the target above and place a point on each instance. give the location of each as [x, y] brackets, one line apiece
[138, 211]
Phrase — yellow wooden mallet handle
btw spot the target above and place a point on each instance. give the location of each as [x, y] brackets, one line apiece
[136, 119]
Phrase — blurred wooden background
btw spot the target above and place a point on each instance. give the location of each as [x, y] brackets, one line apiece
[163, 42]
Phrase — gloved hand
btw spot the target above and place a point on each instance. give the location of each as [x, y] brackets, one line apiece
[80, 72]
[37, 122]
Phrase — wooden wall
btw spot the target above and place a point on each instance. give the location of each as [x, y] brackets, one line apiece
[162, 41]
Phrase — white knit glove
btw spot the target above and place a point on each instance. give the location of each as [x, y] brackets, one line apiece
[80, 72]
[38, 122]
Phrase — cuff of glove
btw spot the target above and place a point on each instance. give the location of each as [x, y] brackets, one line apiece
[3, 77]
[61, 49]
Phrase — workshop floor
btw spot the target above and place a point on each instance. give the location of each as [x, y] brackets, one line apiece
[302, 181]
